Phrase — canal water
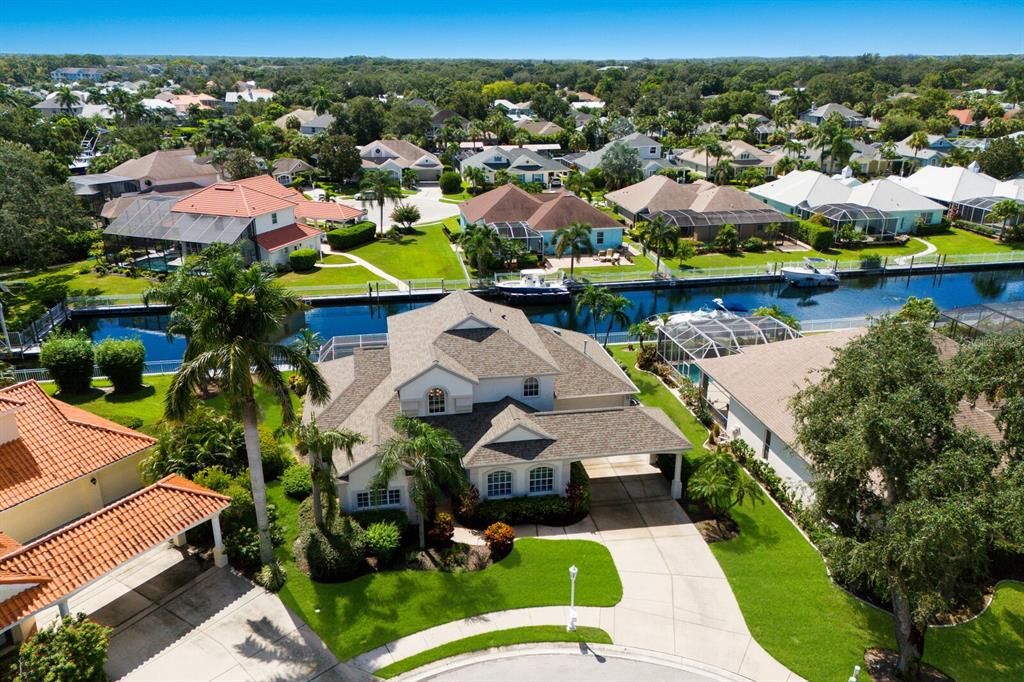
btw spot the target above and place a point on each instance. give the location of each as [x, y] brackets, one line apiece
[856, 297]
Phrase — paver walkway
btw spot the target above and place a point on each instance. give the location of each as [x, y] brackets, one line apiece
[675, 598]
[929, 250]
[356, 260]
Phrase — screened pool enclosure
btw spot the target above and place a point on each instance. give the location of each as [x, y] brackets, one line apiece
[864, 219]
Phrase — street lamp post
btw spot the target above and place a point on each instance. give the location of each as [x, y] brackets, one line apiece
[571, 627]
[855, 675]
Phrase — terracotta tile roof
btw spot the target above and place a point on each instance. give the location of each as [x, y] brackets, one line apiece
[8, 544]
[283, 236]
[87, 549]
[56, 444]
[234, 200]
[327, 210]
[268, 185]
[964, 116]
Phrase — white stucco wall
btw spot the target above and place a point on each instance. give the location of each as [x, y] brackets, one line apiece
[359, 481]
[521, 477]
[280, 256]
[265, 222]
[783, 459]
[493, 390]
[413, 394]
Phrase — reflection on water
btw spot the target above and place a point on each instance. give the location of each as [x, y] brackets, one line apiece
[856, 297]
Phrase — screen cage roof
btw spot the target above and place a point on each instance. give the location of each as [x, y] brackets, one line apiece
[984, 203]
[981, 319]
[154, 218]
[689, 218]
[849, 213]
[686, 337]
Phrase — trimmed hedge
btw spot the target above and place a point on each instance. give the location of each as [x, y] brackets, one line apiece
[302, 260]
[354, 235]
[69, 359]
[372, 516]
[123, 361]
[548, 510]
[297, 481]
[451, 182]
[818, 237]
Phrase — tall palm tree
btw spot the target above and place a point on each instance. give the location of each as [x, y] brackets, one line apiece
[917, 141]
[322, 100]
[1005, 211]
[591, 298]
[431, 458]
[233, 313]
[722, 172]
[661, 237]
[317, 446]
[480, 243]
[381, 186]
[67, 98]
[308, 342]
[474, 175]
[796, 147]
[409, 177]
[579, 184]
[642, 330]
[614, 307]
[785, 165]
[575, 239]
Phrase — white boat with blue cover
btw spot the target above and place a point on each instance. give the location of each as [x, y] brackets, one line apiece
[531, 284]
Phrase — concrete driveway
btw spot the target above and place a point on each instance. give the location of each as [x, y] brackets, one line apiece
[176, 617]
[427, 200]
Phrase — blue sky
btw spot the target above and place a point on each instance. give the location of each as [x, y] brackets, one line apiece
[552, 29]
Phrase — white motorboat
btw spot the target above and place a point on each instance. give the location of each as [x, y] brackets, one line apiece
[531, 284]
[813, 273]
[718, 309]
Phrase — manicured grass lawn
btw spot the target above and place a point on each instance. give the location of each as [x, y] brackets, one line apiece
[336, 259]
[362, 614]
[955, 240]
[148, 403]
[424, 254]
[524, 635]
[721, 260]
[327, 276]
[807, 623]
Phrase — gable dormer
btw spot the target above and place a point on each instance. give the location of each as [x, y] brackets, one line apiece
[470, 322]
[522, 430]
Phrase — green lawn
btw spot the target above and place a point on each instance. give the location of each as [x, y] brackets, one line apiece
[336, 259]
[488, 640]
[328, 276]
[807, 623]
[148, 403]
[955, 240]
[721, 260]
[424, 254]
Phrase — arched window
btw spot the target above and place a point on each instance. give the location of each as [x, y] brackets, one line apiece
[437, 401]
[542, 480]
[499, 484]
[531, 387]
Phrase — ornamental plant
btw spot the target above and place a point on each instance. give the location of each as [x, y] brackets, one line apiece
[69, 358]
[499, 538]
[73, 650]
[122, 361]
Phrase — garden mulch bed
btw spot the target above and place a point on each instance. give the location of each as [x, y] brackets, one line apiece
[458, 557]
[881, 667]
[711, 528]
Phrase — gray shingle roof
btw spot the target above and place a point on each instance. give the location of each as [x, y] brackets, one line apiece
[586, 369]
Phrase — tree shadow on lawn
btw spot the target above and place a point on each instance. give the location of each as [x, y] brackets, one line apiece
[753, 536]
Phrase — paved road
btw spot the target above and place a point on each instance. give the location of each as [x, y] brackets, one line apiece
[427, 200]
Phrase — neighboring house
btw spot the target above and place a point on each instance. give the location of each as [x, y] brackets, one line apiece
[647, 148]
[714, 207]
[542, 214]
[525, 401]
[657, 193]
[759, 383]
[515, 110]
[394, 156]
[879, 207]
[947, 185]
[182, 103]
[248, 92]
[964, 117]
[519, 162]
[977, 209]
[587, 101]
[75, 74]
[932, 155]
[50, 107]
[539, 128]
[285, 170]
[851, 118]
[740, 155]
[302, 115]
[441, 118]
[72, 507]
[267, 221]
[316, 125]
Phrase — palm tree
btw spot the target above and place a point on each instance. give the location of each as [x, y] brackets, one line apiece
[1005, 211]
[579, 184]
[476, 132]
[614, 307]
[381, 186]
[501, 177]
[308, 342]
[409, 177]
[720, 483]
[67, 98]
[796, 146]
[431, 459]
[722, 172]
[592, 298]
[232, 313]
[661, 237]
[710, 145]
[317, 446]
[322, 100]
[785, 165]
[917, 141]
[642, 330]
[474, 175]
[480, 243]
[575, 239]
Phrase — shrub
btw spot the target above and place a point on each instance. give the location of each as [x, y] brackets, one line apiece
[72, 650]
[243, 548]
[372, 516]
[499, 538]
[204, 439]
[383, 540]
[69, 358]
[297, 481]
[727, 240]
[646, 357]
[754, 245]
[297, 383]
[528, 260]
[302, 260]
[442, 530]
[271, 577]
[870, 261]
[214, 478]
[274, 456]
[818, 237]
[354, 235]
[123, 361]
[334, 554]
[451, 182]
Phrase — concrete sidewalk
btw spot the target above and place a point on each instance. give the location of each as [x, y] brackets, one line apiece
[675, 598]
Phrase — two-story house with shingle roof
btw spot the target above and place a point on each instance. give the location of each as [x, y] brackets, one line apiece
[524, 400]
[394, 156]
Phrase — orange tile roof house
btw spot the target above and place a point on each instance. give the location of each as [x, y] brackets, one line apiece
[543, 213]
[71, 507]
[267, 218]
